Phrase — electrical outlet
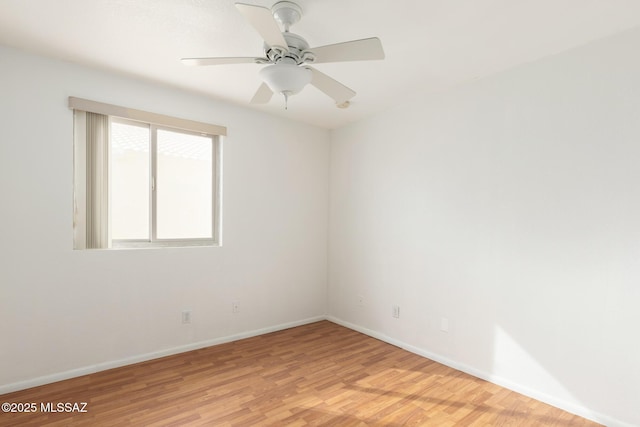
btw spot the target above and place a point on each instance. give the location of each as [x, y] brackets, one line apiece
[235, 307]
[186, 316]
[395, 311]
[444, 324]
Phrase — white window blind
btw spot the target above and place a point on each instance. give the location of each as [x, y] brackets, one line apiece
[97, 143]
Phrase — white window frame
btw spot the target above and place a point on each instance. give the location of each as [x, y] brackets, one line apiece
[153, 240]
[155, 122]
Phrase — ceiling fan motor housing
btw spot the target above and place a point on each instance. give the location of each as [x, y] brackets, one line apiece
[298, 50]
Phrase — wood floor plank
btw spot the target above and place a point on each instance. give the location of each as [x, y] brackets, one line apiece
[319, 374]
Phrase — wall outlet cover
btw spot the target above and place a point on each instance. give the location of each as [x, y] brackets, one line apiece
[186, 316]
[396, 311]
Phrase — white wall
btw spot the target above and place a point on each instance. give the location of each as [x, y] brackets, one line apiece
[65, 312]
[509, 206]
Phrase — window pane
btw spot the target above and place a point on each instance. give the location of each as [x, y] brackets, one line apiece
[184, 196]
[129, 181]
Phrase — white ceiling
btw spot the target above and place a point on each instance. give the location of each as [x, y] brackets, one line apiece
[430, 45]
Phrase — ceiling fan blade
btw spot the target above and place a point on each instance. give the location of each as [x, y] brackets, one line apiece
[333, 88]
[355, 50]
[263, 95]
[220, 61]
[262, 20]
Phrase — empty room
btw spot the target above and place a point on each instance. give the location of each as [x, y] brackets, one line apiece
[337, 212]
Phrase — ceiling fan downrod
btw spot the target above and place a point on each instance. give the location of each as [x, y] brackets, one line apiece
[286, 13]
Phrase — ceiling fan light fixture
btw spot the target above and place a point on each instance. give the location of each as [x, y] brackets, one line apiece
[283, 77]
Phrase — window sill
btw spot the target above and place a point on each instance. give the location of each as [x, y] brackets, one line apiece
[192, 243]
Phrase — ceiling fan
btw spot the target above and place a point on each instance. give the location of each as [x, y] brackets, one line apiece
[289, 55]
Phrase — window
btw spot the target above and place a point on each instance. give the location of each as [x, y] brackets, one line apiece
[144, 184]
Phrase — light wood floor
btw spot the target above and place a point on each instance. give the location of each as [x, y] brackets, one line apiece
[317, 374]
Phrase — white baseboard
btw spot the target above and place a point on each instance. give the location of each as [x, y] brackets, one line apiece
[47, 379]
[558, 403]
